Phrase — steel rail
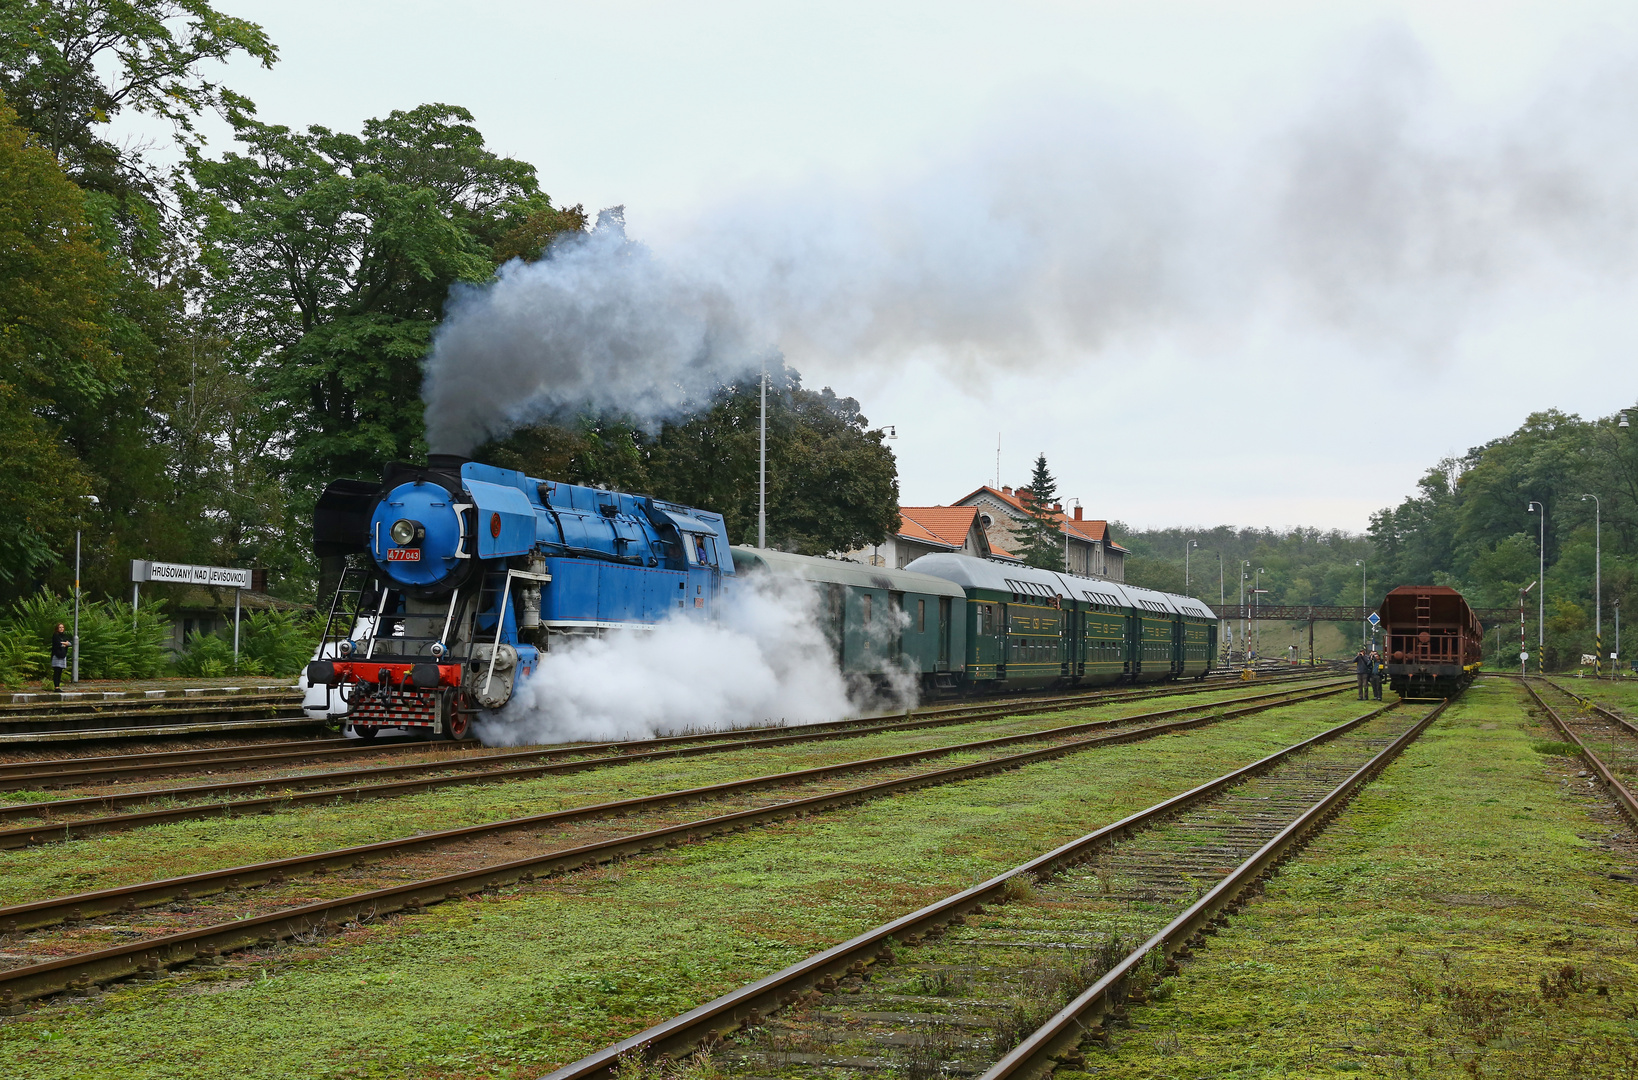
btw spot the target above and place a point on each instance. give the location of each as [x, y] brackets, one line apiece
[749, 1004]
[1587, 702]
[206, 944]
[724, 739]
[91, 702]
[128, 898]
[297, 789]
[1624, 798]
[17, 776]
[1060, 1036]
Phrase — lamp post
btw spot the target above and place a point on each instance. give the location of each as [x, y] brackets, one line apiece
[1186, 547]
[1615, 668]
[1541, 577]
[92, 499]
[1364, 622]
[1598, 584]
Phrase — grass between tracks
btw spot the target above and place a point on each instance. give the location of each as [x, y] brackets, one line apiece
[510, 985]
[186, 847]
[1460, 919]
[1620, 695]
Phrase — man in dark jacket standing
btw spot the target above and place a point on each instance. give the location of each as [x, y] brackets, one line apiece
[1362, 669]
[59, 656]
[1377, 668]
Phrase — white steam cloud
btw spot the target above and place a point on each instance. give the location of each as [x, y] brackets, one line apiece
[766, 660]
[1386, 213]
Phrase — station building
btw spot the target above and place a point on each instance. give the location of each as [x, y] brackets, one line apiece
[989, 524]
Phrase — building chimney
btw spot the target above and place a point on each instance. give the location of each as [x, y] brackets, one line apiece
[1057, 506]
[1006, 491]
[1077, 513]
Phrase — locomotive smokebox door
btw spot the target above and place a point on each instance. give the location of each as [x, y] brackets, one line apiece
[491, 693]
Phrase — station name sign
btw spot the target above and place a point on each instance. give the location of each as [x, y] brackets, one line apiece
[227, 577]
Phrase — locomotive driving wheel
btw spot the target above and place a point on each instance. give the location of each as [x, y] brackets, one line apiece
[457, 717]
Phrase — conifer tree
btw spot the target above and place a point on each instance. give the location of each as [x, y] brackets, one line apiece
[1043, 535]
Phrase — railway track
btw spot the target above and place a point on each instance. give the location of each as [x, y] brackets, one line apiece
[426, 776]
[75, 716]
[154, 954]
[371, 782]
[1607, 740]
[45, 773]
[1029, 971]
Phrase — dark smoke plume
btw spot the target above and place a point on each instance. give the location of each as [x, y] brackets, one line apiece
[1386, 215]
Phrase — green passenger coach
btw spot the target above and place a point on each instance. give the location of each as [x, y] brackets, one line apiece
[956, 623]
[1028, 627]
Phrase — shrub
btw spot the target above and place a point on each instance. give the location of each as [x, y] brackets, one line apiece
[114, 642]
[277, 643]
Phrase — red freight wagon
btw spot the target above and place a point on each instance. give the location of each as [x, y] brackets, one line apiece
[1432, 642]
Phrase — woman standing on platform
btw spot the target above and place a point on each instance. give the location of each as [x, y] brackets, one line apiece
[59, 656]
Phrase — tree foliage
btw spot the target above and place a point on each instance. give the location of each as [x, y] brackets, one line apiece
[55, 357]
[832, 480]
[71, 67]
[1469, 526]
[331, 256]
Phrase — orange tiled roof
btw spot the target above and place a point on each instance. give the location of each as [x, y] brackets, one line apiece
[911, 529]
[947, 524]
[1086, 529]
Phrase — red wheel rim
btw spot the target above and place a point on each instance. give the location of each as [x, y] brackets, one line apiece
[460, 725]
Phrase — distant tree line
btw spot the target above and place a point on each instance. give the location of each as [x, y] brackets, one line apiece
[1468, 526]
[202, 349]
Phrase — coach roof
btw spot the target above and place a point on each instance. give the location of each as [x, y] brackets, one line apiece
[839, 572]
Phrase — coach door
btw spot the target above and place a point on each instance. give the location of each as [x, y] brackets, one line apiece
[944, 633]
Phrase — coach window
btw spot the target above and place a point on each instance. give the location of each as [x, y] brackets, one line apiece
[921, 616]
[864, 602]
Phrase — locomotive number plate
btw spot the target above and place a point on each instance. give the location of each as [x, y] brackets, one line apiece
[403, 554]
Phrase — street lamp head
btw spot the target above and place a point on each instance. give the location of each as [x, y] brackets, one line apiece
[1623, 422]
[92, 499]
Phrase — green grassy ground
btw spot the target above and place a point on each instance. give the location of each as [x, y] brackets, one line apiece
[512, 985]
[1460, 919]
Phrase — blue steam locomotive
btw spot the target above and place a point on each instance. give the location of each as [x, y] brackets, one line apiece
[456, 575]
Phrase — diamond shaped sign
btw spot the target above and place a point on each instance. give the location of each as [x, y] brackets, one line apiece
[1373, 619]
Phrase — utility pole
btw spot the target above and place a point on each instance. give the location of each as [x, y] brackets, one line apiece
[762, 467]
[1245, 652]
[1186, 547]
[1364, 624]
[1598, 584]
[1541, 579]
[1524, 653]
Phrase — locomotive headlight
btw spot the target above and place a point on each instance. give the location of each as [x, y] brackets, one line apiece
[404, 531]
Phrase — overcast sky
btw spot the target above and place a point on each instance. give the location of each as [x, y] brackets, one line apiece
[1250, 263]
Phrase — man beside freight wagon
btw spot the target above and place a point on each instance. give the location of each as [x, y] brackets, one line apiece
[1362, 670]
